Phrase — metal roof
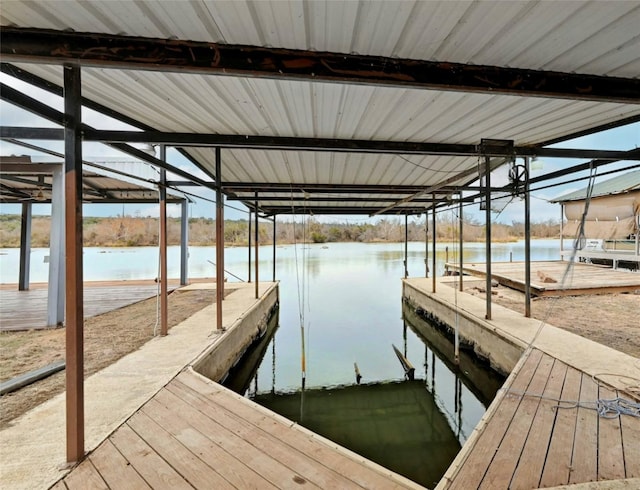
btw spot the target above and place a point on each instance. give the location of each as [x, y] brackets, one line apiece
[621, 184]
[24, 181]
[595, 38]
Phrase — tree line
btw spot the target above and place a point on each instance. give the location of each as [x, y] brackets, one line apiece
[134, 231]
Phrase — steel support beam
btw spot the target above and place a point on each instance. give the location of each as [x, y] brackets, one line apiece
[128, 52]
[461, 242]
[433, 251]
[25, 247]
[184, 242]
[318, 210]
[164, 307]
[249, 249]
[406, 246]
[274, 249]
[74, 277]
[257, 244]
[426, 244]
[56, 282]
[527, 242]
[219, 243]
[487, 217]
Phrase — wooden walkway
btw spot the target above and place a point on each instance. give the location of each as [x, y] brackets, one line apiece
[529, 442]
[582, 279]
[197, 434]
[26, 310]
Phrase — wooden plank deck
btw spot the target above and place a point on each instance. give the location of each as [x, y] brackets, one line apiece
[533, 441]
[582, 279]
[196, 434]
[26, 310]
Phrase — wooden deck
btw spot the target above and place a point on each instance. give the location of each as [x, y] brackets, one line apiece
[26, 310]
[197, 434]
[582, 279]
[531, 442]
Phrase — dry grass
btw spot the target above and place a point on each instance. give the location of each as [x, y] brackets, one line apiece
[108, 337]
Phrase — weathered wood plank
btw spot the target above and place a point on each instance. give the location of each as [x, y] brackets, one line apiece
[529, 470]
[610, 453]
[473, 470]
[557, 465]
[192, 468]
[155, 470]
[631, 443]
[214, 447]
[59, 486]
[251, 445]
[504, 463]
[327, 456]
[584, 463]
[85, 476]
[115, 469]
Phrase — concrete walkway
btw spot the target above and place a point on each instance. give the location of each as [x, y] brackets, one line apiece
[33, 449]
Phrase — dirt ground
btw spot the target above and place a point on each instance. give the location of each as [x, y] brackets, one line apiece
[108, 337]
[609, 319]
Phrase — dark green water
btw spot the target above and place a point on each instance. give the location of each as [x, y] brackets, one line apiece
[353, 313]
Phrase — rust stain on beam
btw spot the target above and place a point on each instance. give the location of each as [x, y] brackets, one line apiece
[92, 49]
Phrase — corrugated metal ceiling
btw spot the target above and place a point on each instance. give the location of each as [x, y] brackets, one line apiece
[598, 38]
[626, 182]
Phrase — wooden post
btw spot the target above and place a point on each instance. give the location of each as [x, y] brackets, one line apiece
[219, 241]
[162, 189]
[74, 279]
[25, 247]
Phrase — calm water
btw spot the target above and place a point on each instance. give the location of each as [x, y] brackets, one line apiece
[352, 313]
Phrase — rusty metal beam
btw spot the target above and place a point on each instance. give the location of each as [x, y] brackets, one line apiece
[359, 210]
[164, 307]
[219, 243]
[74, 278]
[127, 52]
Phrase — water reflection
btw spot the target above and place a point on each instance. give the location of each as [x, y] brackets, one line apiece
[413, 427]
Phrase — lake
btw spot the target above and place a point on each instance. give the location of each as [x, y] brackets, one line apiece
[347, 298]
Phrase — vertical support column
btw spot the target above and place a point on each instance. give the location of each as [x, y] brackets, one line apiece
[527, 241]
[184, 243]
[162, 189]
[219, 241]
[426, 244]
[25, 247]
[56, 291]
[461, 243]
[406, 245]
[73, 248]
[249, 250]
[487, 217]
[274, 248]
[433, 248]
[561, 230]
[257, 240]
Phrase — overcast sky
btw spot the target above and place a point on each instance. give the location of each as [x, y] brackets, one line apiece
[625, 138]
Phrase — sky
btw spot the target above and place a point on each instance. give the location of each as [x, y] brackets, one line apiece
[623, 138]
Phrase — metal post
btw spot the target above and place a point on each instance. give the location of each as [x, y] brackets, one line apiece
[257, 240]
[527, 241]
[561, 231]
[162, 189]
[274, 248]
[74, 279]
[406, 245]
[461, 243]
[433, 253]
[219, 241]
[56, 290]
[426, 244]
[487, 217]
[25, 247]
[184, 243]
[249, 250]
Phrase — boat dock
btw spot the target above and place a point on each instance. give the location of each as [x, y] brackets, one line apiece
[547, 277]
[27, 310]
[541, 429]
[197, 434]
